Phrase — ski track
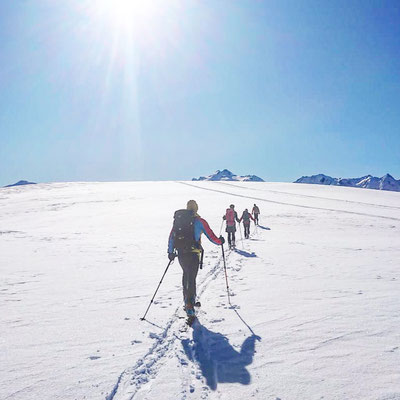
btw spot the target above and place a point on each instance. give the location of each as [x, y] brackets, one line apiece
[168, 344]
[308, 196]
[291, 204]
[135, 378]
[147, 367]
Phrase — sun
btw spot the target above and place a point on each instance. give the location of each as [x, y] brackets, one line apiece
[128, 14]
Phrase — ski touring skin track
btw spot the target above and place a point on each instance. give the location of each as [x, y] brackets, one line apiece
[307, 196]
[147, 367]
[290, 204]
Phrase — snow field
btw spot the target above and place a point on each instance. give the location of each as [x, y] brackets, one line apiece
[316, 305]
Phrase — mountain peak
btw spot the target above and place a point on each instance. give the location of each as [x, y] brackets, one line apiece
[387, 182]
[226, 175]
[21, 183]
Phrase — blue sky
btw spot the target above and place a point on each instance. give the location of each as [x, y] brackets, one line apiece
[106, 90]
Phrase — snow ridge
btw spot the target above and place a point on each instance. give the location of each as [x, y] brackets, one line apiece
[386, 182]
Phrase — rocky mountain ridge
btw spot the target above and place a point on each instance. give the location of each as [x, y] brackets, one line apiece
[226, 175]
[386, 182]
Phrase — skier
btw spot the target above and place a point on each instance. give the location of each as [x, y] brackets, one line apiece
[256, 213]
[185, 237]
[246, 216]
[231, 217]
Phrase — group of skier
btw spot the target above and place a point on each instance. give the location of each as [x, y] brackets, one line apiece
[185, 243]
[231, 217]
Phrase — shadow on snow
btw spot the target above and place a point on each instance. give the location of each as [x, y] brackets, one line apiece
[218, 360]
[264, 227]
[245, 253]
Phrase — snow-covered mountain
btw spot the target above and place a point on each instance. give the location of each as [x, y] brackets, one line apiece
[387, 182]
[21, 183]
[226, 175]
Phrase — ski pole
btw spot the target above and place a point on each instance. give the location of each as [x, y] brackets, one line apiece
[241, 237]
[226, 275]
[220, 230]
[151, 301]
[201, 257]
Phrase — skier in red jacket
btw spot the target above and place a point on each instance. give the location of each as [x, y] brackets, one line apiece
[231, 217]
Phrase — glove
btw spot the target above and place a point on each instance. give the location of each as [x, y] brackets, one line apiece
[171, 256]
[221, 238]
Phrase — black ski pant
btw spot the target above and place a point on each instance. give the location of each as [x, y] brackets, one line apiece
[256, 218]
[246, 230]
[189, 262]
[231, 238]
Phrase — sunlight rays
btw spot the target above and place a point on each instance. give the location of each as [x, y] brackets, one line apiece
[124, 37]
[128, 30]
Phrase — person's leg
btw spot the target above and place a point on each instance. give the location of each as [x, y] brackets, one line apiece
[229, 238]
[190, 266]
[233, 238]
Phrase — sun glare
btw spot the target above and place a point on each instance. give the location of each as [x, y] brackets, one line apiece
[129, 14]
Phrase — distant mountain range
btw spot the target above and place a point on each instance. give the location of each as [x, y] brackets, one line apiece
[387, 182]
[20, 183]
[226, 175]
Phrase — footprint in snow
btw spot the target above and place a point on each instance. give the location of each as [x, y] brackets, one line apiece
[214, 321]
[94, 357]
[153, 335]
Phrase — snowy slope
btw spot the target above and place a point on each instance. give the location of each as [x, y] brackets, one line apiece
[315, 293]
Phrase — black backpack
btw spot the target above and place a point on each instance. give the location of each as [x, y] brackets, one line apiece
[183, 230]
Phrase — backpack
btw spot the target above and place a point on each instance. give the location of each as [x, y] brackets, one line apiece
[246, 216]
[230, 217]
[183, 229]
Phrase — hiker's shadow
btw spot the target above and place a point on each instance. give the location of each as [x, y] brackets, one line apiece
[218, 360]
[245, 253]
